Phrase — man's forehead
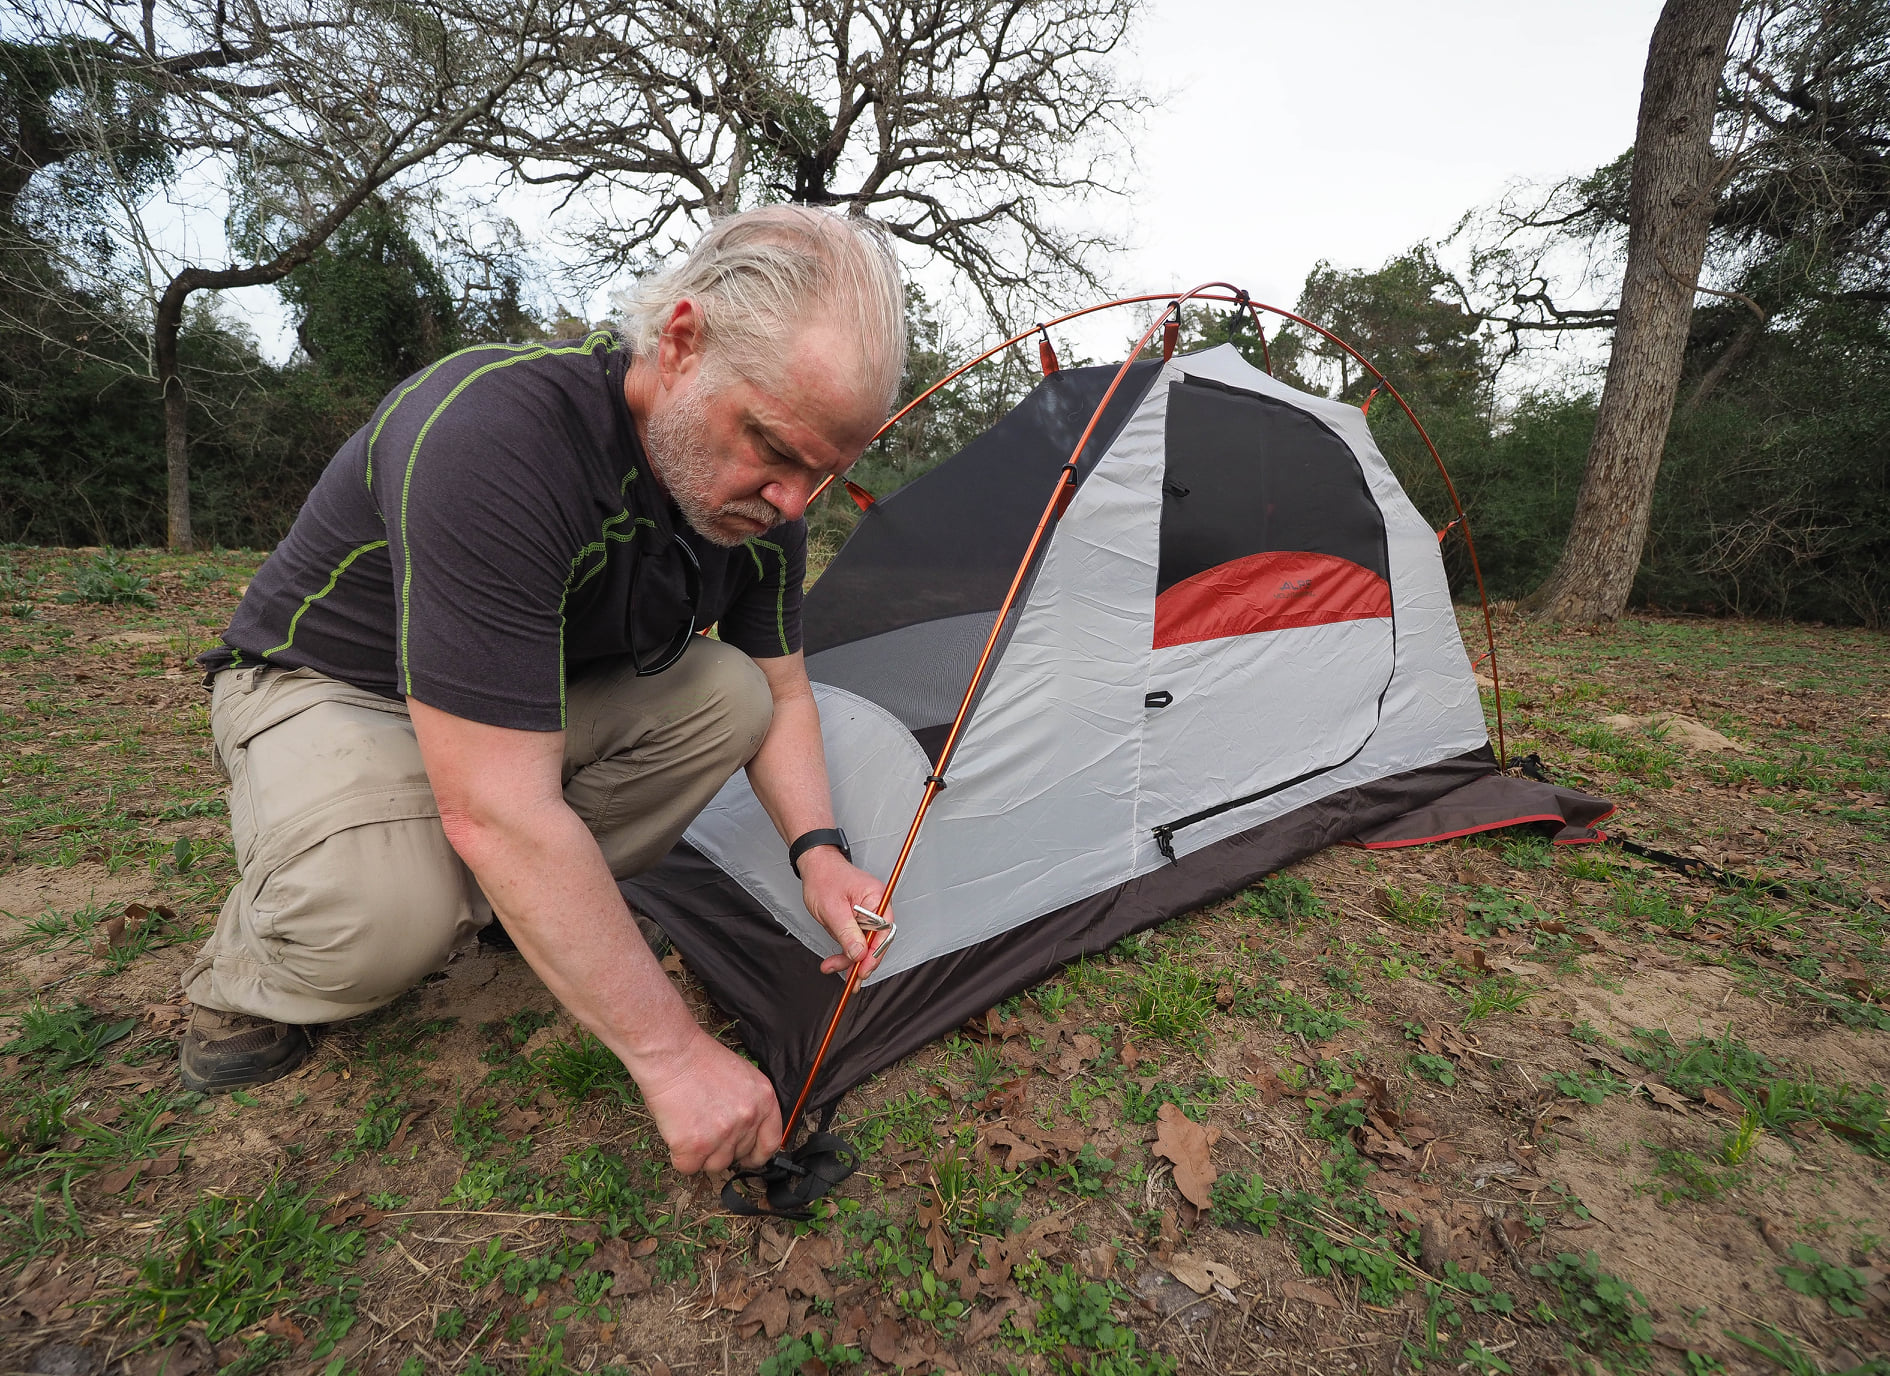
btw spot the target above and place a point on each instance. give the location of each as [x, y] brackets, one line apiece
[812, 424]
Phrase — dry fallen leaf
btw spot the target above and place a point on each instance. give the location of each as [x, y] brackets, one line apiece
[280, 1325]
[765, 1313]
[1312, 1294]
[1185, 1143]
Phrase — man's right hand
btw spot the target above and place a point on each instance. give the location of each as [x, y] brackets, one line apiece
[713, 1108]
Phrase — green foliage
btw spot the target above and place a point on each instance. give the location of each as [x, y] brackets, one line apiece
[1841, 1287]
[815, 1352]
[1283, 898]
[58, 1040]
[1776, 1100]
[1364, 1246]
[229, 1263]
[1077, 1330]
[1423, 910]
[1171, 1000]
[371, 306]
[1439, 1070]
[1590, 1086]
[107, 579]
[1605, 1315]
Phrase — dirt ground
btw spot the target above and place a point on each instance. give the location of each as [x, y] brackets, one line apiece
[1486, 1105]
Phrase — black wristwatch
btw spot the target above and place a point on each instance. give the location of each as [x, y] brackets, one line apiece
[808, 840]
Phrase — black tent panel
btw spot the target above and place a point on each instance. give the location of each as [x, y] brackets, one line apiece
[948, 543]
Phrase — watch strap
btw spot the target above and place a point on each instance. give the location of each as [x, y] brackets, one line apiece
[820, 836]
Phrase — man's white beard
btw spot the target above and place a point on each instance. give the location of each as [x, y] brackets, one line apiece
[679, 449]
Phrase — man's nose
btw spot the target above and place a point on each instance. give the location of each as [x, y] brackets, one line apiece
[790, 498]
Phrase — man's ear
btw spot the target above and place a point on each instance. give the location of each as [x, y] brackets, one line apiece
[679, 348]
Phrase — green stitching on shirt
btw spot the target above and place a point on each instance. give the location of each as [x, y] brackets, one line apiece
[406, 485]
[780, 589]
[327, 588]
[596, 546]
[430, 371]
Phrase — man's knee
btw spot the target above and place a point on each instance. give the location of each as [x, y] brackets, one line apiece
[738, 692]
[341, 928]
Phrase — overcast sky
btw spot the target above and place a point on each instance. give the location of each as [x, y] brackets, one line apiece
[1295, 130]
[1348, 131]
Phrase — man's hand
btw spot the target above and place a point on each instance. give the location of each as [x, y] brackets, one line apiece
[713, 1108]
[830, 886]
[504, 812]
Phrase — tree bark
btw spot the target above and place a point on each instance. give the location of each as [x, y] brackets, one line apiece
[1670, 207]
[167, 324]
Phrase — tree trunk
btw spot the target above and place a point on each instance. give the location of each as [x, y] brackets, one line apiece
[1670, 207]
[166, 326]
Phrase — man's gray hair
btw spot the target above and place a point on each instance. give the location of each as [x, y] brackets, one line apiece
[761, 276]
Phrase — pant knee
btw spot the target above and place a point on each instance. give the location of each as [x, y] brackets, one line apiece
[746, 704]
[341, 929]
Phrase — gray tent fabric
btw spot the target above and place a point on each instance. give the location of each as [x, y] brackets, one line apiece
[1236, 646]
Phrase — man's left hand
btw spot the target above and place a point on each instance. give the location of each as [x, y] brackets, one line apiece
[830, 886]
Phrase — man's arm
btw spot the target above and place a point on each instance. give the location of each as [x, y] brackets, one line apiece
[504, 812]
[789, 775]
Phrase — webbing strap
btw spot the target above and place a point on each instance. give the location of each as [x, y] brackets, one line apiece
[793, 1180]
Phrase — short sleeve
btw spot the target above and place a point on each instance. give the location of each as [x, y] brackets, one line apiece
[763, 619]
[482, 538]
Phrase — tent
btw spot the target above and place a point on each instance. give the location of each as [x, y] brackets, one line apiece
[1233, 646]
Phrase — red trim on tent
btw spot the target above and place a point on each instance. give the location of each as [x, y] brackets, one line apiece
[1268, 592]
[1598, 837]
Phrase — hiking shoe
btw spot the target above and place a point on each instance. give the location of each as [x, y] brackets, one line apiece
[223, 1051]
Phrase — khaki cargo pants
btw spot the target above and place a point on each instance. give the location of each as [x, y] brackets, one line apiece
[351, 894]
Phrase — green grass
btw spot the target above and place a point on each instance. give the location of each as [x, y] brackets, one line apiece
[56, 1041]
[1774, 1098]
[228, 1263]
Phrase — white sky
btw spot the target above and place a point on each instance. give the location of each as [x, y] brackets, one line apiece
[1296, 131]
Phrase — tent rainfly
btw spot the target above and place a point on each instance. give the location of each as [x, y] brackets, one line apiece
[1235, 646]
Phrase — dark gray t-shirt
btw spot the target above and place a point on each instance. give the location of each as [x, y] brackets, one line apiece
[493, 527]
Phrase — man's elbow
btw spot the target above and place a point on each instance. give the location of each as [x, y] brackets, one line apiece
[472, 835]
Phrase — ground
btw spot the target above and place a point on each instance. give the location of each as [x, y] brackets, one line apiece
[1485, 1105]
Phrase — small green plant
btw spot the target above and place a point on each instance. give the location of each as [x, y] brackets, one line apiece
[580, 1067]
[1491, 912]
[1497, 994]
[1424, 910]
[1170, 1001]
[1841, 1287]
[106, 580]
[934, 1302]
[1438, 1070]
[1693, 1177]
[1283, 898]
[1604, 1313]
[814, 1352]
[1590, 1086]
[1742, 1139]
[1052, 997]
[1077, 1330]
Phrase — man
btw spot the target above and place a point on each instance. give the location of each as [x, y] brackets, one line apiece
[467, 683]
